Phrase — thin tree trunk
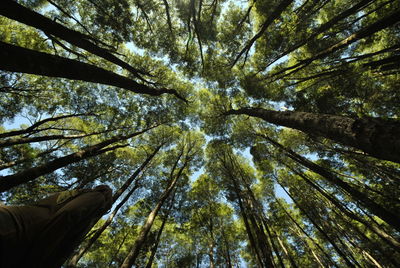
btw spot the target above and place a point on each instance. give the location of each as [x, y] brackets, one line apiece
[271, 239]
[24, 140]
[249, 233]
[128, 182]
[288, 254]
[23, 60]
[345, 210]
[228, 255]
[323, 28]
[243, 212]
[271, 18]
[375, 136]
[168, 15]
[159, 233]
[319, 228]
[137, 245]
[367, 31]
[118, 249]
[37, 124]
[390, 218]
[309, 237]
[7, 182]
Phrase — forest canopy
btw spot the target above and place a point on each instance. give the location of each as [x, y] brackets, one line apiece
[260, 133]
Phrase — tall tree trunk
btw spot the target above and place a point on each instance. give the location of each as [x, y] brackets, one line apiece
[324, 27]
[129, 181]
[226, 244]
[141, 238]
[15, 11]
[390, 218]
[249, 232]
[320, 229]
[375, 136]
[23, 60]
[327, 256]
[270, 19]
[346, 211]
[159, 233]
[7, 182]
[247, 203]
[288, 254]
[23, 140]
[367, 31]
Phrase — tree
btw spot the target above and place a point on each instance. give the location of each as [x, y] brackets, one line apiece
[374, 136]
[232, 133]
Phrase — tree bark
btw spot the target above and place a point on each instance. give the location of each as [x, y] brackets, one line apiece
[7, 182]
[375, 136]
[23, 60]
[15, 11]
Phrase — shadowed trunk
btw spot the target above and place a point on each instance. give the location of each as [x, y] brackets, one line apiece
[15, 11]
[375, 136]
[23, 60]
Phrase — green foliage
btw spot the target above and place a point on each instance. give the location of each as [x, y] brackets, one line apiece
[235, 184]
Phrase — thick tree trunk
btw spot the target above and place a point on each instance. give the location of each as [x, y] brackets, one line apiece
[375, 136]
[15, 11]
[7, 182]
[23, 60]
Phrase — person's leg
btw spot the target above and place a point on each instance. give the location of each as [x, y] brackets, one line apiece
[67, 227]
[18, 226]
